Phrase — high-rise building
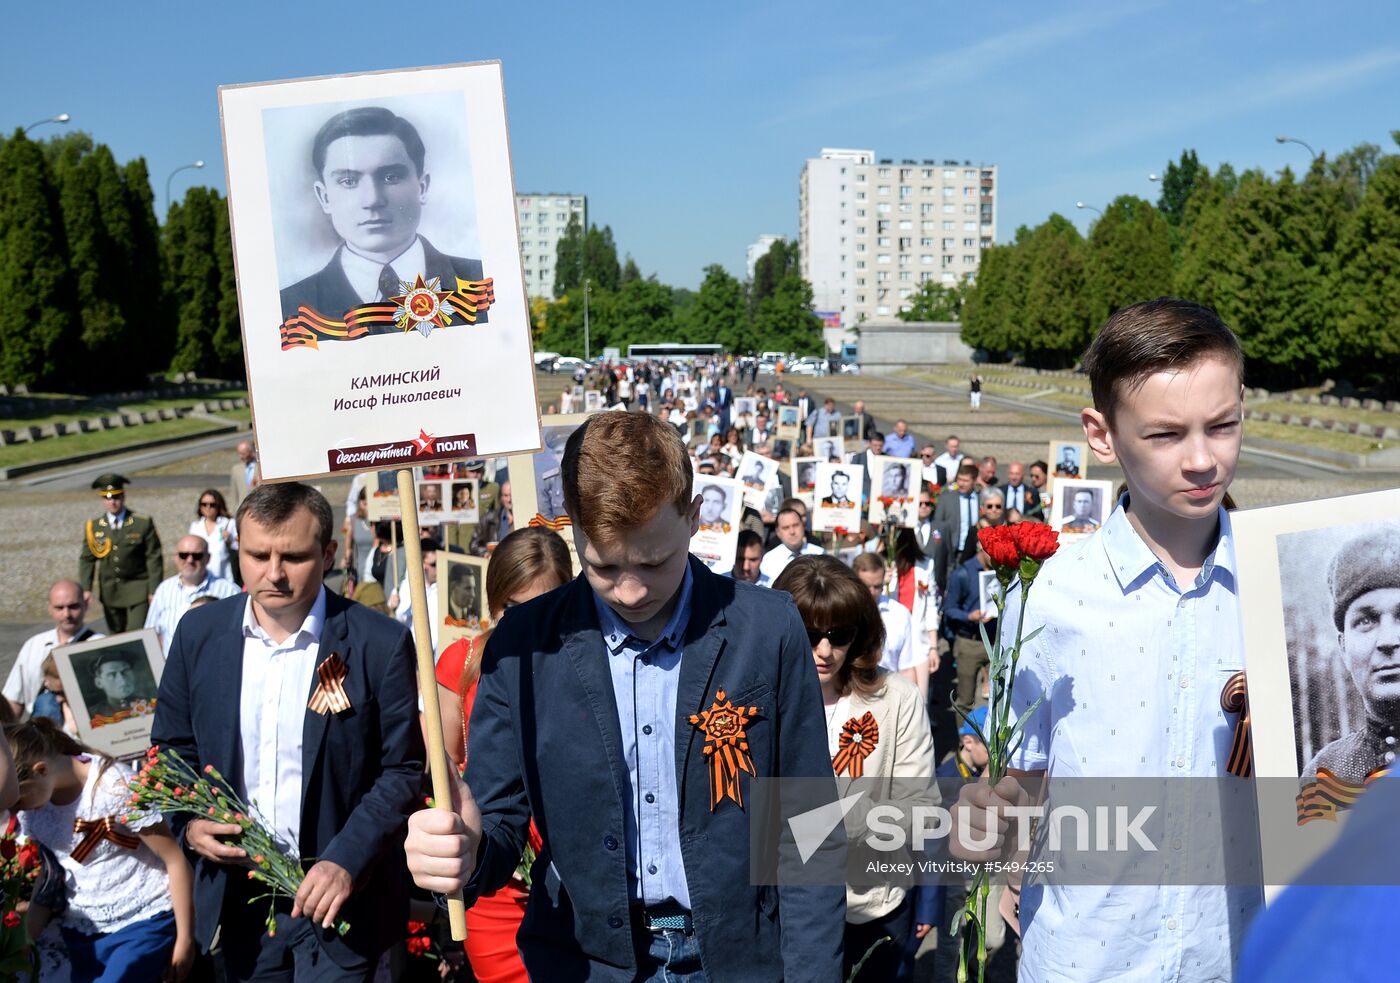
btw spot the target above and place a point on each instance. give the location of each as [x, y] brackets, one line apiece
[873, 231]
[757, 250]
[543, 219]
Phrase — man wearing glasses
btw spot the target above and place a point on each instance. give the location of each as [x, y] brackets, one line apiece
[192, 580]
[123, 550]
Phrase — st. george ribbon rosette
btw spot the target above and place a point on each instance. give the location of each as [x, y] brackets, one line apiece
[422, 306]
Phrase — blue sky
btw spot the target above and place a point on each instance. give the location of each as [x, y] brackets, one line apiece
[687, 124]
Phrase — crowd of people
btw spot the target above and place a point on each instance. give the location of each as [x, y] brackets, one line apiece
[608, 725]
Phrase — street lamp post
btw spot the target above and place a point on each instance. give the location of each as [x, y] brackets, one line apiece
[1283, 139]
[184, 167]
[1080, 204]
[60, 118]
[585, 319]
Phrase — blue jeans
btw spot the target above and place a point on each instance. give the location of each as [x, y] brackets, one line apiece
[674, 957]
[136, 953]
[46, 705]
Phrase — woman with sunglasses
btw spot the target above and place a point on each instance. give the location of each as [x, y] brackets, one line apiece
[216, 527]
[876, 727]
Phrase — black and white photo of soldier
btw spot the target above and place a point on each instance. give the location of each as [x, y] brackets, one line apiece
[840, 495]
[894, 481]
[1067, 462]
[372, 181]
[464, 594]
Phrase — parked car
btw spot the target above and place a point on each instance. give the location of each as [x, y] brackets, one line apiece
[542, 359]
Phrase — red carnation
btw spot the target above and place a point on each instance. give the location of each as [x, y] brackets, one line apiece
[11, 919]
[1035, 540]
[841, 531]
[8, 848]
[419, 945]
[29, 855]
[1000, 544]
[415, 928]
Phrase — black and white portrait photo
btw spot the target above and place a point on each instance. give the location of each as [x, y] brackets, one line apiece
[464, 592]
[805, 474]
[1341, 590]
[367, 198]
[1081, 506]
[111, 684]
[536, 480]
[837, 497]
[461, 598]
[894, 480]
[1067, 459]
[827, 448]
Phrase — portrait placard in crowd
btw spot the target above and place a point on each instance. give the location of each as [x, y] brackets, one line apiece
[1067, 459]
[826, 448]
[1319, 587]
[382, 497]
[366, 320]
[783, 448]
[837, 499]
[721, 507]
[592, 401]
[746, 406]
[536, 481]
[110, 684]
[894, 490]
[461, 587]
[789, 423]
[759, 475]
[986, 594]
[1081, 506]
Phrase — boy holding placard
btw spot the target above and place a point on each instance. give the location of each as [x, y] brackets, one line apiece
[1141, 631]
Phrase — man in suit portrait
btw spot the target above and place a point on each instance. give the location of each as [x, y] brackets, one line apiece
[614, 691]
[372, 183]
[114, 675]
[840, 496]
[305, 702]
[713, 504]
[1081, 519]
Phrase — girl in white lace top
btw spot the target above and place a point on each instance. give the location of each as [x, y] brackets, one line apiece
[129, 891]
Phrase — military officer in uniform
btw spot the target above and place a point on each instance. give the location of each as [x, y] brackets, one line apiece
[123, 549]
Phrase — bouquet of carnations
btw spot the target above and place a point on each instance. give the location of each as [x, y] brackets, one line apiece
[1017, 553]
[19, 869]
[167, 784]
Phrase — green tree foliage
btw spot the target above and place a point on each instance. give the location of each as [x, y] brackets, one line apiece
[1057, 325]
[782, 260]
[719, 313]
[993, 310]
[568, 258]
[600, 265]
[1179, 181]
[935, 302]
[1368, 280]
[37, 333]
[199, 270]
[630, 271]
[1129, 257]
[783, 321]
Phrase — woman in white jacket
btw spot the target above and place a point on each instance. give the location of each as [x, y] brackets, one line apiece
[877, 728]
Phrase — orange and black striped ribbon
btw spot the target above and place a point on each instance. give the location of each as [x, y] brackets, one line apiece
[330, 696]
[1234, 698]
[1326, 795]
[556, 525]
[94, 831]
[858, 738]
[726, 747]
[310, 327]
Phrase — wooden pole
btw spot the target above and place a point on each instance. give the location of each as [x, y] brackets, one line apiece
[427, 679]
[394, 552]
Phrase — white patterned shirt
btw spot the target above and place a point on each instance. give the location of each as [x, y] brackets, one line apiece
[173, 598]
[272, 718]
[1131, 668]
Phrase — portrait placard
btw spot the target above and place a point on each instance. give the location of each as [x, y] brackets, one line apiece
[432, 498]
[592, 401]
[111, 684]
[894, 490]
[380, 286]
[1319, 586]
[1080, 507]
[804, 475]
[1068, 459]
[825, 448]
[789, 423]
[837, 500]
[381, 497]
[759, 476]
[745, 406]
[986, 594]
[721, 507]
[461, 587]
[782, 448]
[537, 483]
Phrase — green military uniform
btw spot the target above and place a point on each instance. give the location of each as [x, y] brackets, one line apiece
[127, 560]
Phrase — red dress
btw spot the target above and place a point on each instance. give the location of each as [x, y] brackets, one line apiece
[494, 920]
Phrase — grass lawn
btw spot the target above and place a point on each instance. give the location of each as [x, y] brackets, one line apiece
[100, 406]
[54, 448]
[1305, 437]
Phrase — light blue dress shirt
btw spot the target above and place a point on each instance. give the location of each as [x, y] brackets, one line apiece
[1132, 666]
[646, 677]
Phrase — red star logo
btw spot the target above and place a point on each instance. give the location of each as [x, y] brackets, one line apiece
[424, 443]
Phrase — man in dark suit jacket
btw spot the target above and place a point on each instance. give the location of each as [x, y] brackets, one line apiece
[1021, 495]
[601, 714]
[306, 703]
[371, 183]
[958, 509]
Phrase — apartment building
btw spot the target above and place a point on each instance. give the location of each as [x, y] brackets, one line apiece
[543, 219]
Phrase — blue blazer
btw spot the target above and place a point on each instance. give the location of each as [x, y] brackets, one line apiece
[545, 742]
[361, 768]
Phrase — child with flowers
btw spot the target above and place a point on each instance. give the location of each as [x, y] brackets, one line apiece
[130, 908]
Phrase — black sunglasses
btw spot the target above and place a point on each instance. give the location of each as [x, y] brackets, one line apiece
[208, 505]
[191, 556]
[838, 637]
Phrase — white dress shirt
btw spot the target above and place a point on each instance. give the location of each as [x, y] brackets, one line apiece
[26, 677]
[404, 612]
[277, 685]
[363, 274]
[898, 654]
[775, 561]
[1131, 666]
[949, 464]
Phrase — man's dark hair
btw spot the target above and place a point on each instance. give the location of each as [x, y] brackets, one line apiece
[877, 435]
[967, 467]
[747, 538]
[783, 512]
[367, 121]
[273, 504]
[1039, 464]
[1154, 336]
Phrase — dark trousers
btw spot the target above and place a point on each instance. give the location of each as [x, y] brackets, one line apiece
[882, 962]
[293, 955]
[970, 655]
[125, 619]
